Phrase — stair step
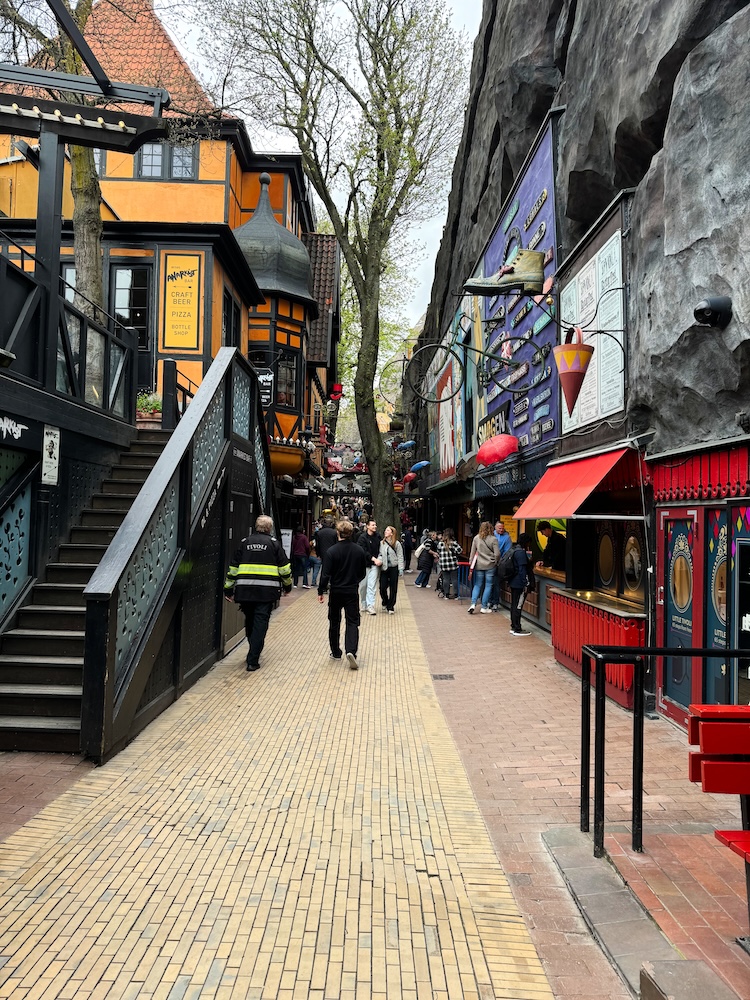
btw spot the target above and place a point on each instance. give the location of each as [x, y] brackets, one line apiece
[138, 460]
[60, 735]
[92, 534]
[70, 553]
[132, 473]
[148, 449]
[35, 642]
[43, 701]
[70, 573]
[154, 436]
[19, 669]
[122, 487]
[58, 594]
[105, 517]
[111, 502]
[51, 617]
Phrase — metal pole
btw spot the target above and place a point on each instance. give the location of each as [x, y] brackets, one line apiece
[585, 741]
[639, 668]
[599, 751]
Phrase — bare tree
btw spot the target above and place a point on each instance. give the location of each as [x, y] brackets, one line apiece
[373, 92]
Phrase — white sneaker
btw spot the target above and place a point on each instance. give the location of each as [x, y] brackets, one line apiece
[371, 611]
[485, 611]
[471, 608]
[305, 587]
[522, 632]
[428, 586]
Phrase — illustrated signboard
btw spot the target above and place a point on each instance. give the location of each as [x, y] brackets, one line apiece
[518, 327]
[593, 298]
[182, 301]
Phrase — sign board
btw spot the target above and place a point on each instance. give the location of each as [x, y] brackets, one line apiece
[50, 455]
[182, 301]
[265, 380]
[593, 298]
[520, 328]
[286, 541]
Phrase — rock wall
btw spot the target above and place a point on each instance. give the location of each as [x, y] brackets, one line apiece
[656, 98]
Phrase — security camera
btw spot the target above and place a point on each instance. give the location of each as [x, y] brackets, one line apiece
[714, 311]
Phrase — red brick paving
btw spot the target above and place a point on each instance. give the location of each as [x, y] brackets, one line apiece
[29, 781]
[515, 716]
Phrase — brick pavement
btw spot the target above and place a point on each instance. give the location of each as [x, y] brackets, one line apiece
[303, 831]
[515, 716]
[30, 781]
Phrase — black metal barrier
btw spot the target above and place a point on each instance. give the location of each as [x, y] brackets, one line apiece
[639, 658]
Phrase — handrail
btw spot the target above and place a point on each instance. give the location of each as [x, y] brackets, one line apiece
[638, 658]
[107, 574]
[23, 251]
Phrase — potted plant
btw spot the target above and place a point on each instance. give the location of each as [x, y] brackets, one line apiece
[148, 409]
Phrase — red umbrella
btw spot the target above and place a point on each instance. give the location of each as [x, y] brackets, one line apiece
[497, 449]
[409, 477]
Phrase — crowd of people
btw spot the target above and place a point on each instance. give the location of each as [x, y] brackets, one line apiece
[355, 566]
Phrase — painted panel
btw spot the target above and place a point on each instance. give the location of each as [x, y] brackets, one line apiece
[717, 680]
[528, 222]
[679, 609]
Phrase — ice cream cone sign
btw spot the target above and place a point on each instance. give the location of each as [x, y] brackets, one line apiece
[572, 359]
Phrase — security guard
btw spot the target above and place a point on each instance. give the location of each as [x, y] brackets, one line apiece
[260, 570]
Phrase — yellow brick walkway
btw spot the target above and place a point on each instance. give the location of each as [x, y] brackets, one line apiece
[303, 831]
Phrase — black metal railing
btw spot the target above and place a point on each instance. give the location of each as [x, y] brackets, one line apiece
[640, 659]
[177, 392]
[154, 603]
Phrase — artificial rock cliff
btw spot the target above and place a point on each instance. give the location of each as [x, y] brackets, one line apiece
[656, 99]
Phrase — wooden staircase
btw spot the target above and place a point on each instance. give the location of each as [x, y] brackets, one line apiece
[41, 655]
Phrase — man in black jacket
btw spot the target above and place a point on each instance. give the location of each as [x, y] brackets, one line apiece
[325, 538]
[259, 571]
[369, 541]
[344, 565]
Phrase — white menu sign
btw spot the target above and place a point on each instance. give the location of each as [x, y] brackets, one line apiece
[50, 455]
[593, 300]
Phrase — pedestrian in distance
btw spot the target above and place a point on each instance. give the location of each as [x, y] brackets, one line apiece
[325, 537]
[521, 582]
[483, 559]
[300, 555]
[448, 552]
[344, 566]
[369, 541]
[504, 542]
[427, 550]
[392, 567]
[407, 541]
[256, 578]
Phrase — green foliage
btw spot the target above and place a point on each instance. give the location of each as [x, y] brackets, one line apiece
[148, 402]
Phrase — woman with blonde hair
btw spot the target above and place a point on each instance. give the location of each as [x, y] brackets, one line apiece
[392, 555]
[485, 554]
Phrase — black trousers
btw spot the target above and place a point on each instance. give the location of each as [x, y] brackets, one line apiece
[257, 617]
[517, 597]
[389, 586]
[348, 602]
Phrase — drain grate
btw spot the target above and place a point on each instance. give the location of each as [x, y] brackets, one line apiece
[443, 677]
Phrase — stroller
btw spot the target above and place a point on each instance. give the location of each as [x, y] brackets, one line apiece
[439, 586]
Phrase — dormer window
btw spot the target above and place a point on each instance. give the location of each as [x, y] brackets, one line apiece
[162, 162]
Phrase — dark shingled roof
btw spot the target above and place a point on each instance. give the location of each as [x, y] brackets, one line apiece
[324, 260]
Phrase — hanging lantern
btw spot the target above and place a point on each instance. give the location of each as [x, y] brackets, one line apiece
[572, 359]
[497, 449]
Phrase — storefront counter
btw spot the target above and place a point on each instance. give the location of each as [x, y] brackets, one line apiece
[581, 618]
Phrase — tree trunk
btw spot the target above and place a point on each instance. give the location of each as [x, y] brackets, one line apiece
[87, 229]
[379, 461]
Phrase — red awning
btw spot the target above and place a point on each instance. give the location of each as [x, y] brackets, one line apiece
[563, 488]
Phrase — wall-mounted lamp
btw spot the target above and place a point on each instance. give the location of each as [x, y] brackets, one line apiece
[716, 310]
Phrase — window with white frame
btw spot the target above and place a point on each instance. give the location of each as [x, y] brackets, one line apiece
[160, 161]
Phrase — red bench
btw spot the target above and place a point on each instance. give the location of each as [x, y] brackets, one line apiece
[722, 764]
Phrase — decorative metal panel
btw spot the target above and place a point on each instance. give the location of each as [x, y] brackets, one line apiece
[209, 439]
[241, 396]
[10, 463]
[15, 523]
[260, 465]
[144, 576]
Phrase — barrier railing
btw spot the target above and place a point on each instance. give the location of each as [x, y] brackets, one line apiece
[639, 659]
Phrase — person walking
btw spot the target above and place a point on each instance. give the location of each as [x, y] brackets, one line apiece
[407, 541]
[448, 552]
[344, 566]
[484, 558]
[369, 541]
[325, 537]
[521, 582]
[392, 559]
[300, 554]
[504, 542]
[426, 559]
[258, 574]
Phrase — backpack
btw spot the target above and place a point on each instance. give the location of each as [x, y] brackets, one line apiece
[506, 568]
